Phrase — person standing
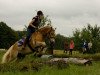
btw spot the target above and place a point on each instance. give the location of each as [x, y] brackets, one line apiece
[84, 47]
[71, 47]
[66, 48]
[90, 45]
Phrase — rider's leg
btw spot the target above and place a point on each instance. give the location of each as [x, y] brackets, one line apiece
[29, 33]
[25, 42]
[27, 38]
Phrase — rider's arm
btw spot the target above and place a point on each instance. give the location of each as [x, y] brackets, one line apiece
[32, 24]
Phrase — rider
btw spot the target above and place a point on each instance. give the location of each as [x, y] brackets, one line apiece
[33, 26]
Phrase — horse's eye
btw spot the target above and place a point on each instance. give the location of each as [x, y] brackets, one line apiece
[51, 33]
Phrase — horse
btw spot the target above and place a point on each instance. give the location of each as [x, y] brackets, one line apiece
[37, 41]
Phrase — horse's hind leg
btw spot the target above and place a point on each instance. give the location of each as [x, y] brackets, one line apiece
[9, 55]
[20, 57]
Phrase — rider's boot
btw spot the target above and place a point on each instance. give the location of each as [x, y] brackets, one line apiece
[25, 42]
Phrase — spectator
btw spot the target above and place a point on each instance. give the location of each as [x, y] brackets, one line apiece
[85, 47]
[90, 45]
[66, 48]
[71, 47]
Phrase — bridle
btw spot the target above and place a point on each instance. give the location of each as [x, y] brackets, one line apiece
[51, 35]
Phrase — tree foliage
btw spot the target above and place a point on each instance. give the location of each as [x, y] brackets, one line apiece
[7, 36]
[88, 33]
[59, 41]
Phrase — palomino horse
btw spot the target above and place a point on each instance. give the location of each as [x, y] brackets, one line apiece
[37, 40]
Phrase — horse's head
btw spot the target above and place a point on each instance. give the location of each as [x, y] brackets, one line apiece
[48, 32]
[51, 35]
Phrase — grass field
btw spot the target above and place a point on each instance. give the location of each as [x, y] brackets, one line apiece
[72, 69]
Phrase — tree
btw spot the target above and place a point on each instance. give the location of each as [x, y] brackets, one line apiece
[88, 33]
[77, 39]
[45, 21]
[59, 41]
[7, 36]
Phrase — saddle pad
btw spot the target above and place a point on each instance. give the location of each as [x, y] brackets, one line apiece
[21, 41]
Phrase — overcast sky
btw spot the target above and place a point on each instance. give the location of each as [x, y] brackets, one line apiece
[66, 15]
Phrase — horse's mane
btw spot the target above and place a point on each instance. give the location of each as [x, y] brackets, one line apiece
[44, 28]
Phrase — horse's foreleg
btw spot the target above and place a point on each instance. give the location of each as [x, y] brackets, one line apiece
[39, 52]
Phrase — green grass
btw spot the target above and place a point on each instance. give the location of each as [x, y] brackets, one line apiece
[72, 69]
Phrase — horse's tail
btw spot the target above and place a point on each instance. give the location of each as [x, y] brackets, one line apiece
[6, 55]
[10, 54]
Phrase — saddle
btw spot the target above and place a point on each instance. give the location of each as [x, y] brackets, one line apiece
[21, 42]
